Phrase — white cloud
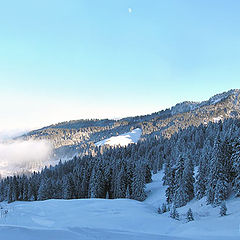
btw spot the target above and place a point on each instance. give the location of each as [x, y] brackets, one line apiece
[20, 156]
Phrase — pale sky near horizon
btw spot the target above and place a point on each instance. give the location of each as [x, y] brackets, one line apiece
[72, 59]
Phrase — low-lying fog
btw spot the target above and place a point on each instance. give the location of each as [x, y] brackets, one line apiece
[17, 156]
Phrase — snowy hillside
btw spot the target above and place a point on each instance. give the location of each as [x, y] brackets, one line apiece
[122, 140]
[72, 138]
[117, 219]
[189, 106]
[207, 222]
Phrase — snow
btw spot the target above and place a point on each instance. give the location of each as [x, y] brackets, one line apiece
[219, 97]
[184, 107]
[156, 191]
[216, 100]
[189, 106]
[217, 119]
[117, 219]
[207, 224]
[122, 140]
[82, 219]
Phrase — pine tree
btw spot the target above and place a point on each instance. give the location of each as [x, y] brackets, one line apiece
[127, 192]
[92, 185]
[180, 198]
[25, 188]
[33, 186]
[45, 189]
[221, 190]
[171, 187]
[15, 189]
[10, 192]
[188, 179]
[223, 209]
[190, 215]
[223, 170]
[213, 171]
[174, 213]
[148, 174]
[67, 189]
[121, 182]
[138, 183]
[164, 208]
[235, 159]
[167, 173]
[203, 170]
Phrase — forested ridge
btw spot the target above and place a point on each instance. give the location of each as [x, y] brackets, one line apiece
[197, 162]
[78, 137]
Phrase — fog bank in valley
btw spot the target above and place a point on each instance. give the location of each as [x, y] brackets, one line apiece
[17, 156]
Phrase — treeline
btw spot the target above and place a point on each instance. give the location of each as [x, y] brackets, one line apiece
[212, 154]
[198, 162]
[115, 173]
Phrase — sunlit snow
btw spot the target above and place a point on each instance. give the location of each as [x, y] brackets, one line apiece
[119, 219]
[122, 140]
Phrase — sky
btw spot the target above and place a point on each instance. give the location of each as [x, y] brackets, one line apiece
[71, 59]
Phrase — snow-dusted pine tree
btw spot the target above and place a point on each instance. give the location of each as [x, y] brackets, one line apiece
[184, 190]
[159, 210]
[203, 170]
[223, 209]
[45, 189]
[138, 183]
[174, 213]
[213, 170]
[236, 167]
[223, 170]
[67, 190]
[171, 187]
[167, 173]
[92, 191]
[164, 208]
[188, 179]
[190, 215]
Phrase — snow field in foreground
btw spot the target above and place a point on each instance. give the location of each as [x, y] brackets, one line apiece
[117, 219]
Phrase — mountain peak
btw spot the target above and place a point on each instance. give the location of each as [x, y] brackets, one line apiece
[187, 106]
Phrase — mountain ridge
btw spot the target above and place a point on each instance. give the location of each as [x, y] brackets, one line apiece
[214, 99]
[78, 136]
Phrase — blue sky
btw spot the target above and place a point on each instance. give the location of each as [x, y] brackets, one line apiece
[71, 59]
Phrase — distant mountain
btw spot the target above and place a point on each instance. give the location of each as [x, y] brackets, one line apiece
[78, 137]
[189, 106]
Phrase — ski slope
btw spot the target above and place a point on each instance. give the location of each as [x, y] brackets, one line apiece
[122, 140]
[119, 219]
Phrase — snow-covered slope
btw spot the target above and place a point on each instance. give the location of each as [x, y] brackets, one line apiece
[84, 219]
[122, 140]
[189, 105]
[217, 119]
[117, 219]
[207, 222]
